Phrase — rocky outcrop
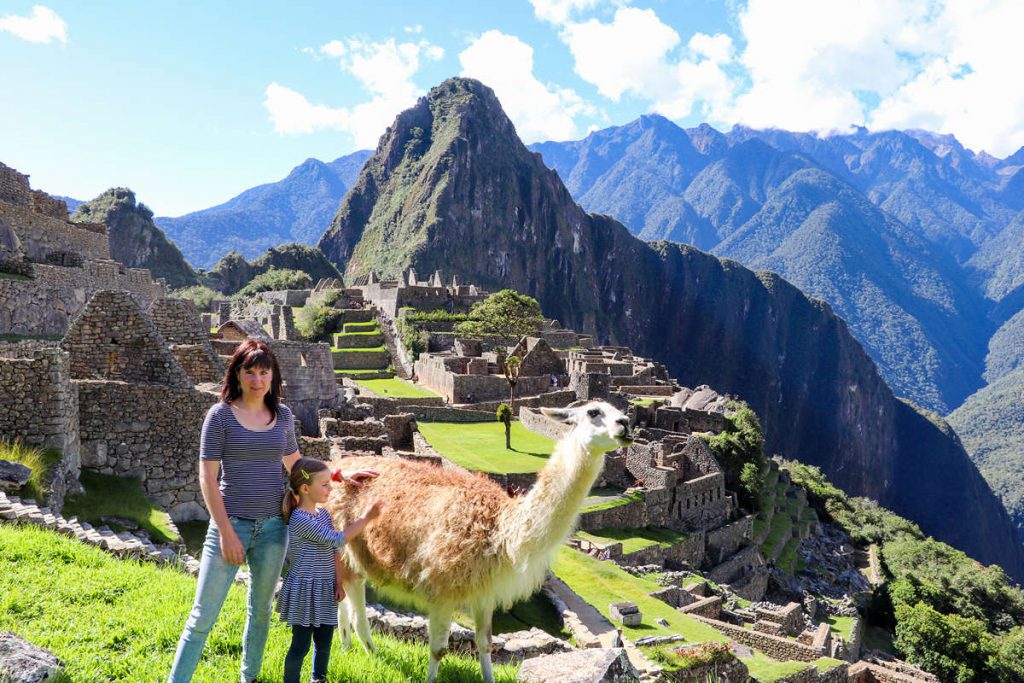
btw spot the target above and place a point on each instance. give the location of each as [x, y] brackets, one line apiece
[451, 187]
[23, 662]
[135, 240]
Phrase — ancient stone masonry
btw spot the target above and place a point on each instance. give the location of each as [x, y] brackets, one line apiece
[179, 323]
[39, 405]
[392, 295]
[113, 339]
[146, 431]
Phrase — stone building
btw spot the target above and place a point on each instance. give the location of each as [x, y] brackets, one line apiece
[408, 291]
[182, 329]
[58, 265]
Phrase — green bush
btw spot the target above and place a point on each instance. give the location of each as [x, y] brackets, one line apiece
[202, 297]
[275, 279]
[741, 442]
[415, 340]
[415, 316]
[317, 324]
[39, 460]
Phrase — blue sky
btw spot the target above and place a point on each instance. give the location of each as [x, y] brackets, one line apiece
[189, 103]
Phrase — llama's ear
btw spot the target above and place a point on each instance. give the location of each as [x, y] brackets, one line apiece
[558, 414]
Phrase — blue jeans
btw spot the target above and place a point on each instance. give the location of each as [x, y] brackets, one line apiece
[265, 542]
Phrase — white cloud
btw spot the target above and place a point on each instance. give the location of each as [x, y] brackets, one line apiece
[539, 111]
[638, 54]
[43, 26]
[558, 11]
[384, 69]
[944, 65]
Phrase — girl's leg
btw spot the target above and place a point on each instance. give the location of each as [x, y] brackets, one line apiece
[215, 578]
[322, 636]
[265, 556]
[301, 636]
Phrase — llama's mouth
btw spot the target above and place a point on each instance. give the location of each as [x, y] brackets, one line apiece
[624, 439]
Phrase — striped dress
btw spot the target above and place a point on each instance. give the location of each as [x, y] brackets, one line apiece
[307, 593]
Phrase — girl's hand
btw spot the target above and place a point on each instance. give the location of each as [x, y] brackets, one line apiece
[373, 512]
[231, 548]
[339, 591]
[355, 478]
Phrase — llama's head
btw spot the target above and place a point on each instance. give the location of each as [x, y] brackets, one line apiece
[599, 426]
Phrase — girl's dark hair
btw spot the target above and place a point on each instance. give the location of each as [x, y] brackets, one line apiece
[302, 473]
[252, 353]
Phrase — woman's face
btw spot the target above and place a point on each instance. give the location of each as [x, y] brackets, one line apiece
[255, 381]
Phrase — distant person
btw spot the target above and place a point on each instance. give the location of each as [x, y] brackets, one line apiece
[312, 589]
[246, 439]
[554, 381]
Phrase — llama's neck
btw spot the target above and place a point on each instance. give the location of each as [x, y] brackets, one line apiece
[541, 520]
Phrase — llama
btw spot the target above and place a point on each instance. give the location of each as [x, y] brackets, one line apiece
[450, 538]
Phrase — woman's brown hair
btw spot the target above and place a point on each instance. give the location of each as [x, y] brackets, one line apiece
[302, 473]
[249, 354]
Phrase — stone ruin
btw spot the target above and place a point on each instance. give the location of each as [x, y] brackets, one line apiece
[57, 265]
[409, 292]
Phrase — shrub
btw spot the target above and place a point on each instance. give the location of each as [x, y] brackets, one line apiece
[202, 297]
[704, 654]
[741, 442]
[318, 323]
[275, 279]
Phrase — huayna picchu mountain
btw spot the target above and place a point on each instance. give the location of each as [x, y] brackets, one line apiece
[135, 240]
[452, 187]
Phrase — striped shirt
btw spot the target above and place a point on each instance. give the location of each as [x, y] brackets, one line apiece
[252, 478]
[307, 592]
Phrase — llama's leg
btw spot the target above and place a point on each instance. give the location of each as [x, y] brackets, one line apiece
[345, 577]
[355, 596]
[482, 619]
[440, 625]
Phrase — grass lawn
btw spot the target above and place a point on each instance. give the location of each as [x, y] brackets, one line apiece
[395, 388]
[842, 626]
[36, 459]
[113, 496]
[335, 349]
[27, 337]
[626, 498]
[480, 446]
[646, 401]
[349, 328]
[781, 523]
[601, 583]
[634, 539]
[13, 276]
[114, 620]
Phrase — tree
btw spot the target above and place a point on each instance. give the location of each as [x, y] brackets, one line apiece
[504, 415]
[506, 316]
[511, 370]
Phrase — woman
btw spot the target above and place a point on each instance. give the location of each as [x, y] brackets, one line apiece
[246, 439]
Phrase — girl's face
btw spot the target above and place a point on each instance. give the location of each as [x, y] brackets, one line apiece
[255, 381]
[319, 489]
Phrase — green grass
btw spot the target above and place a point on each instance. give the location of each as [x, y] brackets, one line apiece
[13, 276]
[767, 670]
[367, 333]
[480, 446]
[114, 620]
[788, 559]
[626, 498]
[38, 460]
[113, 496]
[349, 328]
[646, 401]
[781, 523]
[395, 388]
[877, 638]
[335, 349]
[634, 539]
[841, 626]
[355, 373]
[602, 583]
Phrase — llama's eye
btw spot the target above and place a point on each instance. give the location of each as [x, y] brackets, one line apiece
[594, 412]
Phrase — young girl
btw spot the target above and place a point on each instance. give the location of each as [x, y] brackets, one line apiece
[311, 589]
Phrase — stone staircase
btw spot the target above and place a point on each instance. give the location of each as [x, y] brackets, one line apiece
[359, 351]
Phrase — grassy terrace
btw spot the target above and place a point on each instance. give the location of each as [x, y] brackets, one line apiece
[395, 388]
[605, 499]
[13, 276]
[481, 446]
[335, 349]
[352, 328]
[114, 620]
[634, 539]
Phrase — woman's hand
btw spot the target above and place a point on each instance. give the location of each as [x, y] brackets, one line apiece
[231, 548]
[339, 591]
[355, 477]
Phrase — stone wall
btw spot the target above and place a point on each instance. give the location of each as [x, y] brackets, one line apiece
[737, 565]
[775, 647]
[47, 303]
[41, 234]
[726, 540]
[199, 362]
[113, 339]
[627, 516]
[709, 608]
[178, 321]
[39, 405]
[146, 431]
[286, 297]
[538, 423]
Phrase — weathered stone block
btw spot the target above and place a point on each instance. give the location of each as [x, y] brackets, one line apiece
[13, 475]
[593, 665]
[23, 662]
[626, 613]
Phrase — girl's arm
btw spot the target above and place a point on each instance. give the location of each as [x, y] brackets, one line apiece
[312, 529]
[356, 527]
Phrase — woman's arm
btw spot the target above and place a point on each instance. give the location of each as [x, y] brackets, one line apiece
[230, 547]
[290, 459]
